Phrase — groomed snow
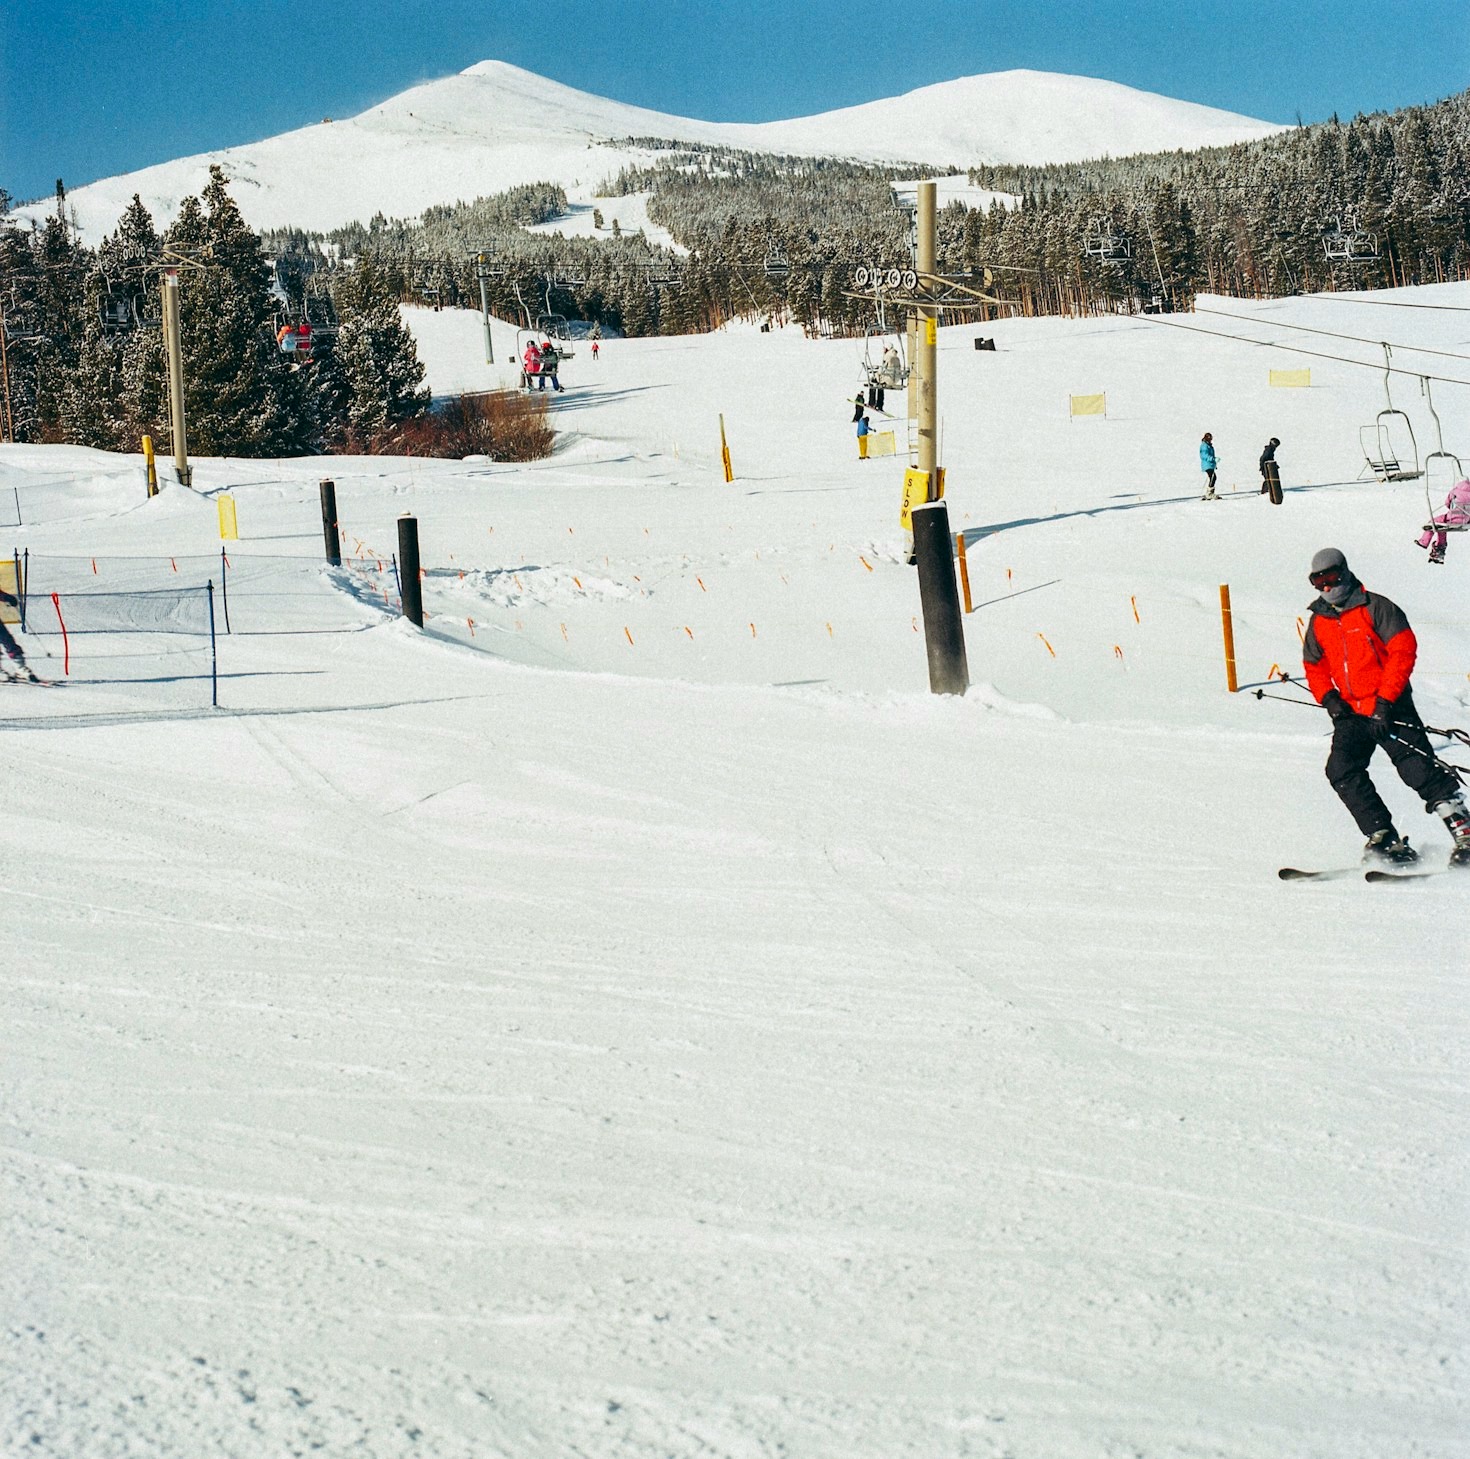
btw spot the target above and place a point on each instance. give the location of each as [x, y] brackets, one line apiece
[646, 1022]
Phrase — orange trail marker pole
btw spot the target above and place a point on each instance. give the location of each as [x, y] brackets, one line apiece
[1134, 602]
[564, 634]
[752, 630]
[964, 573]
[829, 630]
[627, 635]
[689, 630]
[1228, 629]
[1049, 648]
[865, 562]
[702, 587]
[1117, 651]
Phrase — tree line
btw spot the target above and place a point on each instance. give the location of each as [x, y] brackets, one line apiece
[1382, 200]
[85, 359]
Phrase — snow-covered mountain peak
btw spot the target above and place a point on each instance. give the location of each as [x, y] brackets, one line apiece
[495, 126]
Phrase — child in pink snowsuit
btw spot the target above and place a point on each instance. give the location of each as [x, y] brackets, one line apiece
[1455, 514]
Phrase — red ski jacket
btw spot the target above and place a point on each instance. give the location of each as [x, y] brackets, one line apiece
[1365, 650]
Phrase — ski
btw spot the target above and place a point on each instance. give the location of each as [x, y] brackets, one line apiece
[1407, 875]
[1294, 873]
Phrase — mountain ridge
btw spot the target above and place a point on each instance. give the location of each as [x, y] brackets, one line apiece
[493, 126]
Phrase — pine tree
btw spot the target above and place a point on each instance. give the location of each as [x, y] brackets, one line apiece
[376, 354]
[240, 397]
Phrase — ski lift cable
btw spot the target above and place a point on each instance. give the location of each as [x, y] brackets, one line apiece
[1292, 349]
[1383, 303]
[1331, 334]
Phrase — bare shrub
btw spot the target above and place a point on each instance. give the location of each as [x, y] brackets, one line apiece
[503, 425]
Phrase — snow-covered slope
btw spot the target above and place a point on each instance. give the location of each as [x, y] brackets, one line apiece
[494, 126]
[635, 1018]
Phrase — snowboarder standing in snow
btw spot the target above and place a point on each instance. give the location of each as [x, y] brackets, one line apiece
[1271, 472]
[1207, 464]
[1358, 653]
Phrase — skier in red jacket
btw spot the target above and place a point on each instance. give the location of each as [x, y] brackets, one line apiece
[1359, 652]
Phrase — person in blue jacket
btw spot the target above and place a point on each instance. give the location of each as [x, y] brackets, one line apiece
[1207, 464]
[863, 432]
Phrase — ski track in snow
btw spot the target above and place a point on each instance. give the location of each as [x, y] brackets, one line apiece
[633, 1018]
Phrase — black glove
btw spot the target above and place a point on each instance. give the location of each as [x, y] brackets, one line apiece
[1336, 705]
[1383, 713]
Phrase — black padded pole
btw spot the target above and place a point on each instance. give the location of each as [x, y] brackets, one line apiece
[329, 522]
[944, 631]
[408, 570]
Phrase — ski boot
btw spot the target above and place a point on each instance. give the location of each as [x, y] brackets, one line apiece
[1388, 848]
[1457, 823]
[1436, 554]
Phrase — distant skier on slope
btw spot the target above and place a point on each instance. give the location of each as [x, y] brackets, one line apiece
[1359, 652]
[1208, 464]
[1271, 472]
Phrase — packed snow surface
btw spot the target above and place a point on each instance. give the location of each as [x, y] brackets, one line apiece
[634, 1017]
[496, 126]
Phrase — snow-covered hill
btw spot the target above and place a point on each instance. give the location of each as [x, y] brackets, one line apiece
[495, 126]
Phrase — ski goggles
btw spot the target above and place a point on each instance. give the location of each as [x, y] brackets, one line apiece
[1327, 578]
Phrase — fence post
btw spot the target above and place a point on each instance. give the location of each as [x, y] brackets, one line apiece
[944, 632]
[213, 653]
[408, 569]
[329, 521]
[959, 538]
[1229, 631]
[150, 466]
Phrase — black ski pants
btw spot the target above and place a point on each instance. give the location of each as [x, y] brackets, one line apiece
[1354, 740]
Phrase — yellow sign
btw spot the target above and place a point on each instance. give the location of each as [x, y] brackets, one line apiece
[931, 331]
[1088, 404]
[1292, 379]
[229, 529]
[882, 443]
[9, 612]
[916, 493]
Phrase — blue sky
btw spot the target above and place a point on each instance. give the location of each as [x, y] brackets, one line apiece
[89, 90]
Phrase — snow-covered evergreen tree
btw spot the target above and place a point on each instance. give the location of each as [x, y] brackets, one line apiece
[379, 363]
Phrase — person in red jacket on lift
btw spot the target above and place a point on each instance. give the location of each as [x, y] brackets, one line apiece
[1359, 652]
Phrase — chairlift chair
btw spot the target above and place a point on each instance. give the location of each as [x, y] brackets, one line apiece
[777, 265]
[1350, 245]
[882, 369]
[1104, 243]
[1389, 448]
[1442, 470]
[555, 326]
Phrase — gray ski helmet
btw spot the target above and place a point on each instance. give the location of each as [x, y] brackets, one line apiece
[1327, 559]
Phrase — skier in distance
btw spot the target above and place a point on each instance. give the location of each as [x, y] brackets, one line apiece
[1358, 653]
[1208, 464]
